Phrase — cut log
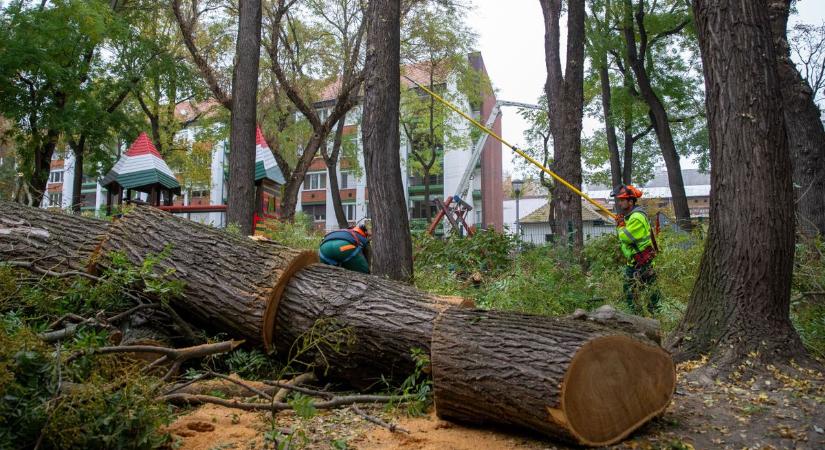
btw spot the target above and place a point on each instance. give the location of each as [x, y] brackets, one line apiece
[232, 283]
[572, 380]
[49, 240]
[385, 320]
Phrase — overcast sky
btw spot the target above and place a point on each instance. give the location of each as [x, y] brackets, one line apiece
[511, 41]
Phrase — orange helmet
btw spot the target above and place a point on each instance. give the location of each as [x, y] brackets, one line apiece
[627, 191]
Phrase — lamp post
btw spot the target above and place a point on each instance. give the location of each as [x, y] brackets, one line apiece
[517, 191]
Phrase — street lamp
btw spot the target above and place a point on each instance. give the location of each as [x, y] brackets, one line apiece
[517, 191]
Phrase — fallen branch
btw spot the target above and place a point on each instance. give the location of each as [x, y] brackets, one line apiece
[71, 329]
[169, 354]
[33, 268]
[190, 399]
[300, 379]
[241, 384]
[390, 426]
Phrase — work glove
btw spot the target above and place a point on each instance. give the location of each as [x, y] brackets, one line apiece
[619, 220]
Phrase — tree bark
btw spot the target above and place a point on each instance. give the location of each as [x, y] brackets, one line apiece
[806, 136]
[56, 242]
[331, 160]
[740, 304]
[565, 97]
[231, 283]
[78, 149]
[658, 113]
[610, 126]
[378, 323]
[241, 196]
[568, 379]
[392, 243]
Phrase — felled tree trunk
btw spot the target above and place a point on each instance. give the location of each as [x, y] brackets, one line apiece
[48, 240]
[231, 283]
[569, 379]
[356, 327]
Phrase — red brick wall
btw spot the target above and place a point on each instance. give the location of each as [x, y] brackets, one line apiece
[492, 194]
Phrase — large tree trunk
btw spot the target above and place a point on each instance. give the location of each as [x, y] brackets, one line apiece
[391, 244]
[49, 241]
[488, 366]
[568, 379]
[565, 94]
[241, 197]
[658, 113]
[741, 300]
[806, 136]
[231, 283]
[374, 322]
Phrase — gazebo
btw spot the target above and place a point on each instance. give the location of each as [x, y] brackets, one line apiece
[267, 177]
[141, 169]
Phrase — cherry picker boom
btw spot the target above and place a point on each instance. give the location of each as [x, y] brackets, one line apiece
[455, 208]
[515, 149]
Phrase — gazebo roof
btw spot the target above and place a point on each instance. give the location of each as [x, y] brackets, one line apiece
[141, 166]
[265, 165]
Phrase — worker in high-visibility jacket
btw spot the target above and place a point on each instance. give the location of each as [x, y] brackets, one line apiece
[638, 245]
[347, 248]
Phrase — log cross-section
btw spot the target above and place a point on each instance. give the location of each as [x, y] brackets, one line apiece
[577, 381]
[231, 283]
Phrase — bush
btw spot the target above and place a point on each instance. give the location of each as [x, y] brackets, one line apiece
[297, 234]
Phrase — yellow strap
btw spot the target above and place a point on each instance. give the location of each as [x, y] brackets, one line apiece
[344, 248]
[515, 149]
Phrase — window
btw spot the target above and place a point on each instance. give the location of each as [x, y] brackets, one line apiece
[348, 180]
[317, 212]
[349, 211]
[419, 210]
[56, 176]
[315, 181]
[56, 198]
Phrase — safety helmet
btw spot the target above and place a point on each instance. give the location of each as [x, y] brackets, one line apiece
[626, 191]
[362, 229]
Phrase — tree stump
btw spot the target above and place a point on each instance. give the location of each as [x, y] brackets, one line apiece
[384, 320]
[232, 283]
[572, 380]
[48, 240]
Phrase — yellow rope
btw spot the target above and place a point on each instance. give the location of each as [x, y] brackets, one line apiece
[515, 149]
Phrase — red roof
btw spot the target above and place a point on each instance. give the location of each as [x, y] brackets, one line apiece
[259, 138]
[142, 146]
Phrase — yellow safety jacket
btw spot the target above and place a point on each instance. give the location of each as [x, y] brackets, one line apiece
[636, 235]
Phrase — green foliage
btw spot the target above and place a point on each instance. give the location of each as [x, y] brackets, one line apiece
[442, 265]
[303, 405]
[417, 387]
[248, 364]
[297, 234]
[108, 409]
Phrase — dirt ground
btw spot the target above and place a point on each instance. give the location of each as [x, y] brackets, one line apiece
[775, 411]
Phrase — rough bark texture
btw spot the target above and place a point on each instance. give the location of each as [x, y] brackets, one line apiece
[50, 241]
[741, 300]
[565, 94]
[241, 196]
[391, 244]
[385, 319]
[232, 283]
[568, 379]
[806, 136]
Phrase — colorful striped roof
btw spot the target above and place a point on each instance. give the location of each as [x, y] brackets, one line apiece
[141, 166]
[265, 165]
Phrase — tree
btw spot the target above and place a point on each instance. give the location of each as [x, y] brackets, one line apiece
[806, 135]
[392, 243]
[435, 49]
[565, 99]
[740, 305]
[52, 75]
[332, 58]
[807, 45]
[639, 40]
[241, 196]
